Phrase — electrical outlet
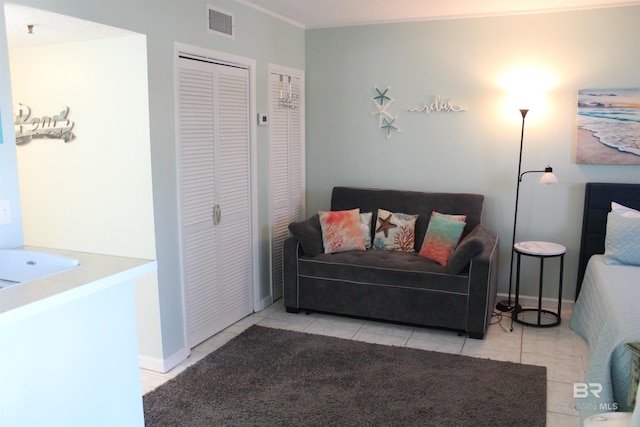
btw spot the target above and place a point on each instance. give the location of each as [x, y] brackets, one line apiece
[5, 212]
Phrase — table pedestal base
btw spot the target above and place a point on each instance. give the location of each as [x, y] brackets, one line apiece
[542, 312]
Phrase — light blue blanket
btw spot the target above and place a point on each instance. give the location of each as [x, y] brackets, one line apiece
[607, 315]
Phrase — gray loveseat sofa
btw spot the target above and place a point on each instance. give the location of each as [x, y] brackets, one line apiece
[396, 286]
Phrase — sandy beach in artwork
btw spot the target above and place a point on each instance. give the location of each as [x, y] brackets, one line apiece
[590, 150]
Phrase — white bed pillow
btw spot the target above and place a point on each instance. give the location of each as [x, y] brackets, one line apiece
[622, 241]
[624, 211]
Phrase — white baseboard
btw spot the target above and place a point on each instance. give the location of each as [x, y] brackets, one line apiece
[163, 365]
[151, 363]
[532, 301]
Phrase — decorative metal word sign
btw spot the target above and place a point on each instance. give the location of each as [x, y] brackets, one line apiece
[56, 127]
[439, 104]
[387, 121]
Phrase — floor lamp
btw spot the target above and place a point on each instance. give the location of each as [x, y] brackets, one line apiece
[548, 178]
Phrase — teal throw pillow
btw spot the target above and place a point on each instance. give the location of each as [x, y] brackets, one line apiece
[441, 239]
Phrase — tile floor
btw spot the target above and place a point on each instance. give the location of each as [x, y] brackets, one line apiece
[561, 350]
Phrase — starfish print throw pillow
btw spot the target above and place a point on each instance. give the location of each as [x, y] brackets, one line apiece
[395, 231]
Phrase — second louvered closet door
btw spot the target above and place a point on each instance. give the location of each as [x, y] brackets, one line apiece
[286, 135]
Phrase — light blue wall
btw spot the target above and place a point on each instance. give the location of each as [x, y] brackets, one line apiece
[477, 150]
[258, 36]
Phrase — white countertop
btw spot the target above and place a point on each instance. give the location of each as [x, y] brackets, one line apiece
[95, 272]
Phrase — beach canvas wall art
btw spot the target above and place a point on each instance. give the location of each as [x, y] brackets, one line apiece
[608, 127]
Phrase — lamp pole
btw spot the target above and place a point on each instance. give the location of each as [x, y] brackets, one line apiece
[506, 305]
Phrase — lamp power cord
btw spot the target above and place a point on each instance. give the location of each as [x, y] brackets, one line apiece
[499, 315]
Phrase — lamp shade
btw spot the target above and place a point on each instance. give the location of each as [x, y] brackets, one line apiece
[548, 178]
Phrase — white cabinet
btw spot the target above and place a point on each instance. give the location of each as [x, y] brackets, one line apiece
[70, 348]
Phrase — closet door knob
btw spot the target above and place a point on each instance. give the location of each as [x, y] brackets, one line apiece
[217, 214]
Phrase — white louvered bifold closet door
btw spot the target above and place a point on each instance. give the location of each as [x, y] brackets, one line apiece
[234, 193]
[215, 208]
[287, 168]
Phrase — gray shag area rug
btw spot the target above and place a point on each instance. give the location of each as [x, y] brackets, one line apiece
[273, 377]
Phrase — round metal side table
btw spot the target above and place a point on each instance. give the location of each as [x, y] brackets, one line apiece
[541, 250]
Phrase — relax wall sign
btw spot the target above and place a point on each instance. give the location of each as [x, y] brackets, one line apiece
[56, 127]
[439, 105]
[387, 121]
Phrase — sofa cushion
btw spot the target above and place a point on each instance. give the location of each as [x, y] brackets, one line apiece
[395, 231]
[309, 234]
[469, 247]
[400, 269]
[341, 231]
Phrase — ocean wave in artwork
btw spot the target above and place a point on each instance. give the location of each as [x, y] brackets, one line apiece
[617, 128]
[613, 116]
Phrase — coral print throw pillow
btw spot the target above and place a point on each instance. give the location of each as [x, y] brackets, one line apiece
[341, 231]
[395, 231]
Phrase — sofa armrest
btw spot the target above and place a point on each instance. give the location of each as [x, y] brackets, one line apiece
[483, 287]
[291, 250]
[309, 235]
[469, 247]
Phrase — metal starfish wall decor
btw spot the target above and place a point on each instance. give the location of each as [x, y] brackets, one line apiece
[386, 119]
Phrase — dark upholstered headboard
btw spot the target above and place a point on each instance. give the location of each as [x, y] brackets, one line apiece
[597, 204]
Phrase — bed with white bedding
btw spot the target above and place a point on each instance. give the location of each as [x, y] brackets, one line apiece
[606, 316]
[607, 309]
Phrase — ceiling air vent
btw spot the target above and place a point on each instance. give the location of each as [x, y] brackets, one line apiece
[221, 22]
